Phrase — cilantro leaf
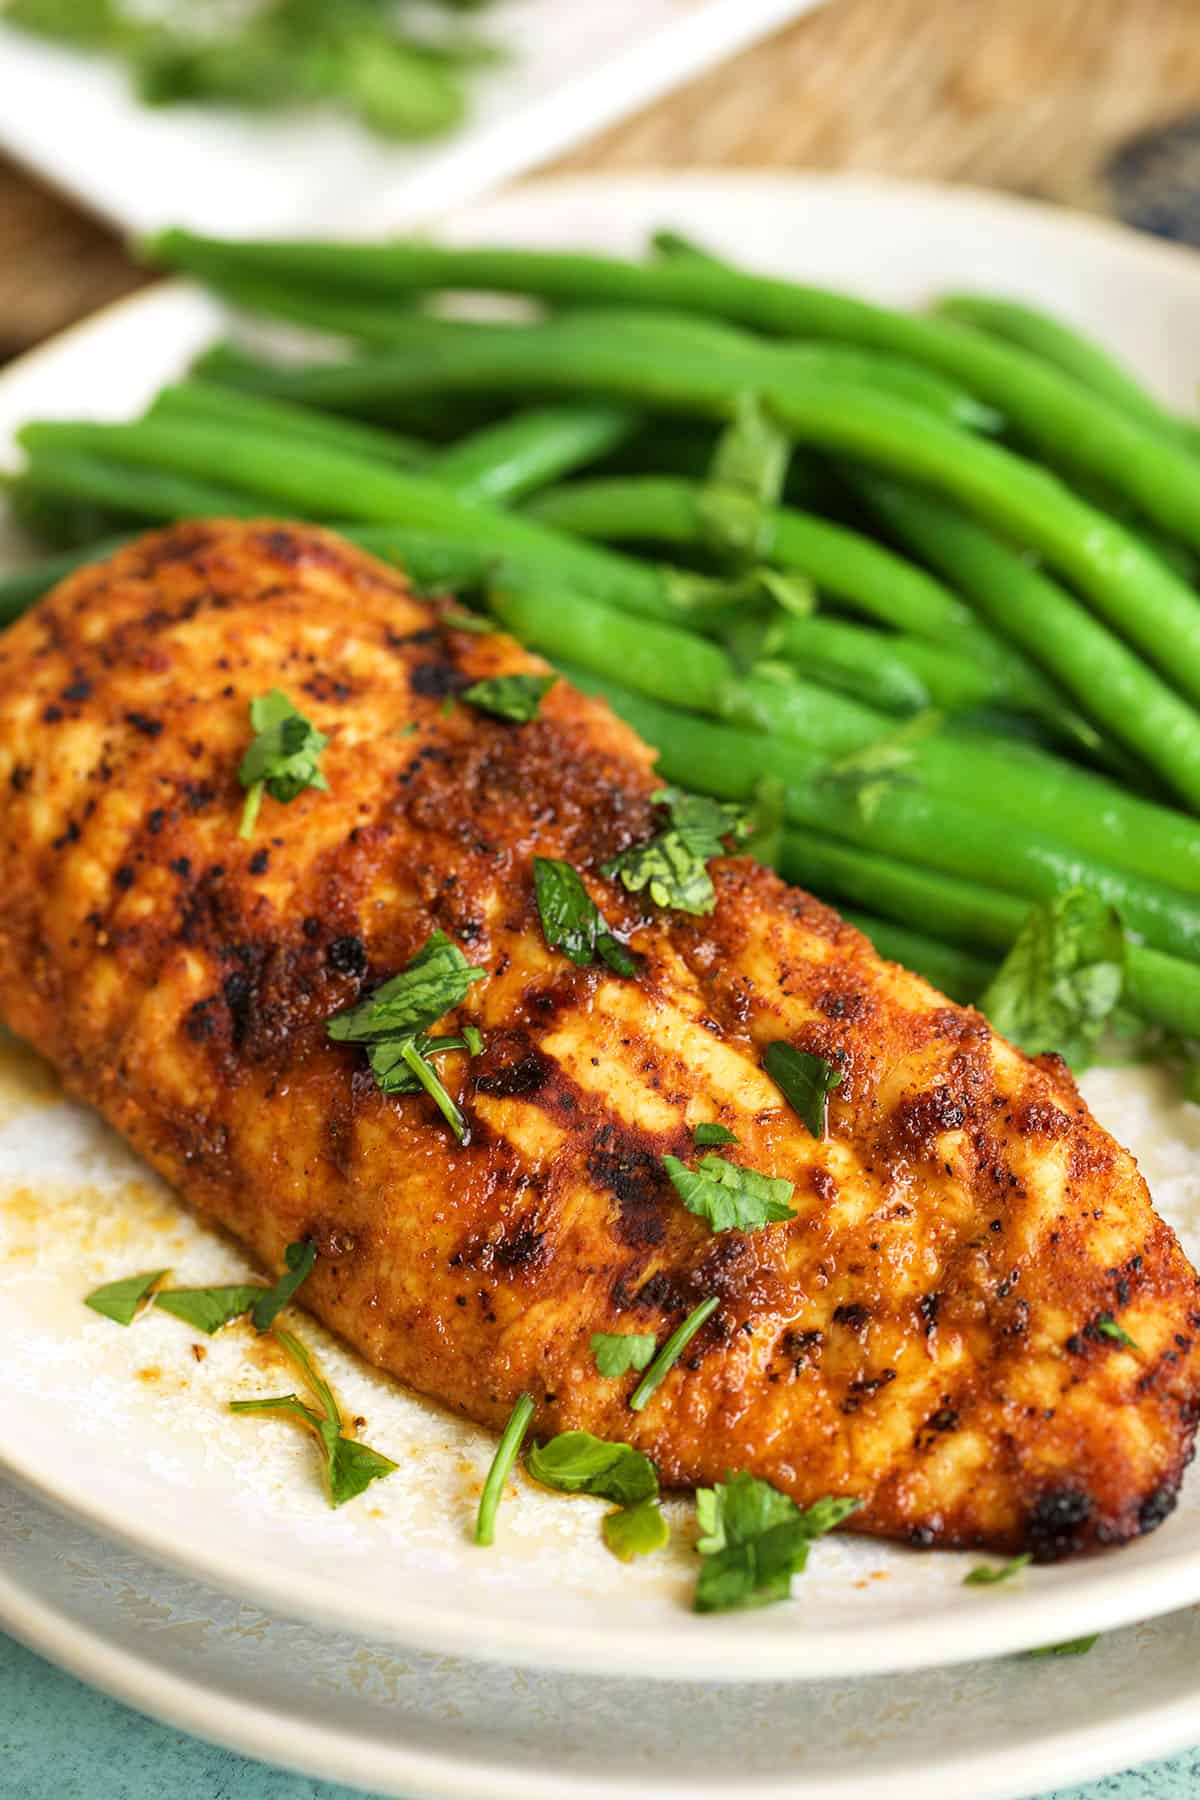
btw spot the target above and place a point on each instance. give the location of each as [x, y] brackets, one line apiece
[282, 758]
[673, 865]
[514, 697]
[671, 1352]
[703, 1135]
[805, 1082]
[988, 1574]
[1061, 981]
[575, 1462]
[870, 774]
[755, 1539]
[432, 984]
[507, 1451]
[349, 1466]
[729, 1197]
[571, 920]
[1107, 1326]
[746, 477]
[208, 1309]
[616, 1352]
[1073, 1647]
[635, 1530]
[121, 1301]
[393, 1021]
[299, 1260]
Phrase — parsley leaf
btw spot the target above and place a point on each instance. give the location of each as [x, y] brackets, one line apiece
[616, 1352]
[746, 477]
[870, 774]
[1061, 981]
[635, 1530]
[1073, 1647]
[729, 1197]
[515, 697]
[393, 1023]
[507, 1451]
[988, 1574]
[704, 1135]
[282, 759]
[208, 1309]
[1107, 1326]
[436, 980]
[571, 920]
[754, 1540]
[299, 1260]
[805, 1082]
[122, 1300]
[673, 865]
[349, 1466]
[671, 1352]
[575, 1462]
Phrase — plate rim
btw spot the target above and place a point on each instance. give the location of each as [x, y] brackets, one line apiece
[270, 1733]
[1126, 1595]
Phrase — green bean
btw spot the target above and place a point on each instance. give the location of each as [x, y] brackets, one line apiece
[145, 494]
[206, 400]
[1123, 579]
[1064, 419]
[956, 973]
[511, 459]
[313, 479]
[22, 588]
[841, 562]
[1067, 349]
[897, 673]
[1089, 815]
[1107, 679]
[915, 825]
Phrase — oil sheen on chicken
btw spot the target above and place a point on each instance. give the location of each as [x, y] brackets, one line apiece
[923, 1334]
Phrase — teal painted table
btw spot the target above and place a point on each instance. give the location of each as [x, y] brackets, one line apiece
[62, 1741]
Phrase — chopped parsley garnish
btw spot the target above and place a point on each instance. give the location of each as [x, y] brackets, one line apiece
[282, 760]
[729, 1197]
[635, 1530]
[393, 1023]
[673, 865]
[671, 1352]
[754, 1539]
[1107, 1326]
[988, 1574]
[616, 1352]
[703, 1136]
[515, 697]
[805, 1082]
[507, 1451]
[745, 480]
[457, 618]
[1073, 1647]
[575, 1462]
[1061, 982]
[869, 775]
[571, 920]
[122, 1300]
[209, 1309]
[349, 1466]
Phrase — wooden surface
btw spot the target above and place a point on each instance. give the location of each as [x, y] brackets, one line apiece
[1031, 95]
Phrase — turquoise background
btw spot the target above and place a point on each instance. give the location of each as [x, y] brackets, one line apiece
[62, 1741]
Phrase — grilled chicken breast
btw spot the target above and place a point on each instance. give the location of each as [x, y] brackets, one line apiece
[923, 1334]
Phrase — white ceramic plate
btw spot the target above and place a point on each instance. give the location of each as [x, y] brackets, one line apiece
[127, 1430]
[575, 65]
[415, 1724]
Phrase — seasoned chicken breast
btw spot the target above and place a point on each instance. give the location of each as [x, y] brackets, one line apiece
[923, 1333]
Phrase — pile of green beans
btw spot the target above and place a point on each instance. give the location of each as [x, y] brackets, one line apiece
[984, 519]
